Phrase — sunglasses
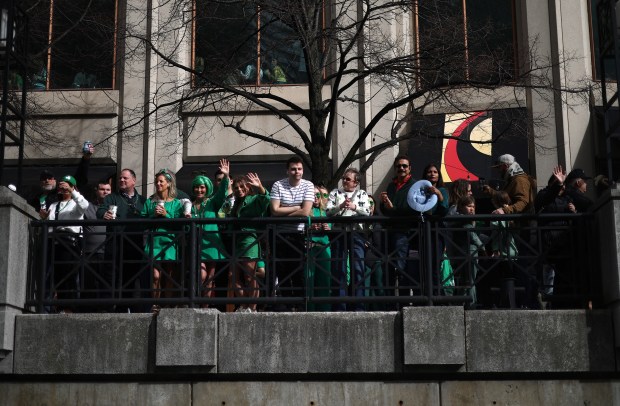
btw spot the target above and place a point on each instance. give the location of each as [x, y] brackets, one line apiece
[348, 180]
[370, 202]
[319, 195]
[404, 166]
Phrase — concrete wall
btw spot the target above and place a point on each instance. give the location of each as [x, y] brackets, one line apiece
[443, 340]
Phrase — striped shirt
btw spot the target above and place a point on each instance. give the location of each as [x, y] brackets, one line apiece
[293, 195]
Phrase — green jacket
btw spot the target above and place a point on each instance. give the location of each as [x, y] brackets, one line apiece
[399, 200]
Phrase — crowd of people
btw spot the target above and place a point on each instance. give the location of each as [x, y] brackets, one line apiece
[324, 257]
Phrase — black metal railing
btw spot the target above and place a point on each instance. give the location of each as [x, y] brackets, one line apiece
[369, 263]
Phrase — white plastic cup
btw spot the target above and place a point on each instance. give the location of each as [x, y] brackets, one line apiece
[187, 207]
[113, 209]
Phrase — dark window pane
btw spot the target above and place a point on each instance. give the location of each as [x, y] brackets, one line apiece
[82, 44]
[226, 42]
[282, 56]
[39, 17]
[490, 40]
[441, 39]
[610, 63]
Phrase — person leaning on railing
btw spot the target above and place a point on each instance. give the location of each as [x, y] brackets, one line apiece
[206, 205]
[161, 245]
[71, 205]
[251, 200]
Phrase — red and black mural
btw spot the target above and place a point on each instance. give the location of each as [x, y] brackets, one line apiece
[465, 145]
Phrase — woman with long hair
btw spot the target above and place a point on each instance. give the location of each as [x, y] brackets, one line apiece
[319, 252]
[432, 173]
[206, 205]
[251, 200]
[161, 244]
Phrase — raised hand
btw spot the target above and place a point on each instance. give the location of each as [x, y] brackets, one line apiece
[254, 180]
[225, 166]
[559, 174]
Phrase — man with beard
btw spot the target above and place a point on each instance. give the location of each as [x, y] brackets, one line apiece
[127, 240]
[394, 204]
[47, 195]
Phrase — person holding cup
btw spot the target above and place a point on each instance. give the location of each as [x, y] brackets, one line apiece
[124, 243]
[207, 206]
[161, 245]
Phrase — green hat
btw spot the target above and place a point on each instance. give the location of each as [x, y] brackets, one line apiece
[203, 180]
[69, 179]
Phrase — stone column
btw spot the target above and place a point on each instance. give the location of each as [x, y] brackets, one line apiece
[15, 214]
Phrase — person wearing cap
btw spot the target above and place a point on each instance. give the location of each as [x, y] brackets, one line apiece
[47, 194]
[71, 205]
[519, 186]
[349, 200]
[576, 188]
[206, 205]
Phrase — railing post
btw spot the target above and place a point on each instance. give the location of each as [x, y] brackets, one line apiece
[192, 264]
[428, 261]
[43, 269]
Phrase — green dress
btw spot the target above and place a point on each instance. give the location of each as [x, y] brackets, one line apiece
[319, 265]
[212, 245]
[246, 241]
[161, 245]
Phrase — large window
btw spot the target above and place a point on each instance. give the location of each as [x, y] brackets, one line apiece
[610, 62]
[465, 40]
[72, 43]
[236, 44]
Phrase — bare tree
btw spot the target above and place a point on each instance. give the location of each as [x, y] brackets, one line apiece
[411, 55]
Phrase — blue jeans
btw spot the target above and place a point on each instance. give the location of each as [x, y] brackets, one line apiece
[353, 250]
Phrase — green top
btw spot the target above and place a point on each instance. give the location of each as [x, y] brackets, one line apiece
[212, 245]
[319, 236]
[161, 245]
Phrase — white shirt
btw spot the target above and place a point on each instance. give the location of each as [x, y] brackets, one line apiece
[69, 210]
[293, 195]
[358, 197]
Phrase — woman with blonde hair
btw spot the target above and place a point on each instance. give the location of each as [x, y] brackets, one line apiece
[161, 246]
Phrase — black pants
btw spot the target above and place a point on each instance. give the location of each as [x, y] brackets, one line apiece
[289, 257]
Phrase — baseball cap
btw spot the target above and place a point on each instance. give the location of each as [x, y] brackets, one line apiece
[506, 159]
[576, 173]
[46, 175]
[69, 179]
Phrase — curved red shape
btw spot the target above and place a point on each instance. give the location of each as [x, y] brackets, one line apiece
[454, 166]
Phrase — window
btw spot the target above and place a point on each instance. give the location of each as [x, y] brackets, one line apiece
[236, 44]
[465, 41]
[72, 43]
[610, 62]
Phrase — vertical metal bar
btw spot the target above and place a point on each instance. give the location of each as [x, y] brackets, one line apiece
[194, 270]
[43, 268]
[428, 250]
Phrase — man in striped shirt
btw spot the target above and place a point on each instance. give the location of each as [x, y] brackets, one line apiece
[292, 197]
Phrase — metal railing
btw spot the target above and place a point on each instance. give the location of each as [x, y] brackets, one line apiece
[368, 263]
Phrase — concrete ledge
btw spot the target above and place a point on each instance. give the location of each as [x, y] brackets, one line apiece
[315, 393]
[539, 341]
[569, 392]
[434, 336]
[280, 343]
[97, 393]
[186, 337]
[83, 344]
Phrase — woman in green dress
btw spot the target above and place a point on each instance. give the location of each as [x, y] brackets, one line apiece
[207, 206]
[247, 247]
[319, 253]
[160, 243]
